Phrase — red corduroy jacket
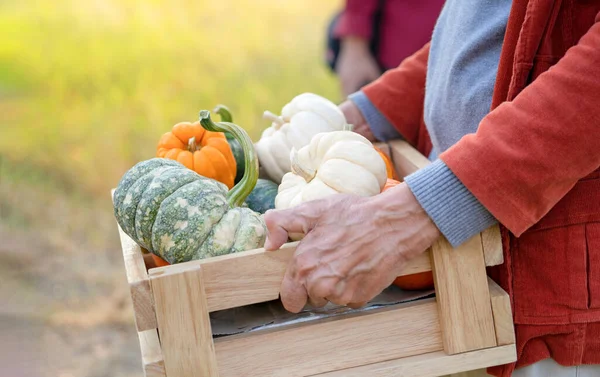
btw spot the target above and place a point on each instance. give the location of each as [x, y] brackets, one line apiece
[534, 164]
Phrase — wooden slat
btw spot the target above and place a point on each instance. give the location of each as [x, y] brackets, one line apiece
[184, 325]
[152, 359]
[432, 364]
[467, 322]
[139, 283]
[328, 345]
[408, 160]
[239, 279]
[253, 276]
[472, 373]
[492, 246]
[463, 296]
[503, 319]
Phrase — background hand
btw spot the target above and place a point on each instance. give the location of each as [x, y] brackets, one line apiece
[356, 66]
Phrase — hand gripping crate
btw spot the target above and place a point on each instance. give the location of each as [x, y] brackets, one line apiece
[467, 326]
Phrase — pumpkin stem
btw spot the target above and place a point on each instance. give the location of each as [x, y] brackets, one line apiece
[298, 169]
[348, 127]
[237, 195]
[224, 112]
[274, 118]
[192, 147]
[226, 116]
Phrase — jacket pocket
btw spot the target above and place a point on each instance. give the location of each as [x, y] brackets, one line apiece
[593, 248]
[550, 275]
[556, 264]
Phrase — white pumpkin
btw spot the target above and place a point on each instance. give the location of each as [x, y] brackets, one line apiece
[302, 118]
[333, 162]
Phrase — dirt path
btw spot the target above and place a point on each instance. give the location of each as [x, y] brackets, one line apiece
[59, 317]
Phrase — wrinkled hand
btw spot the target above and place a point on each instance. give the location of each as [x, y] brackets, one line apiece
[354, 247]
[355, 117]
[356, 65]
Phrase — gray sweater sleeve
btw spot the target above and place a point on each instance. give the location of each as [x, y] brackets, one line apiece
[454, 210]
[382, 129]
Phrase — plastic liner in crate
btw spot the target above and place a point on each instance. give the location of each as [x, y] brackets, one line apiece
[272, 314]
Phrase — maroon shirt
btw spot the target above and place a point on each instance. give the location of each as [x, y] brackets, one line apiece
[406, 25]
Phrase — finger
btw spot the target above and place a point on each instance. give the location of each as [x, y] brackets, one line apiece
[343, 293]
[293, 294]
[359, 294]
[317, 302]
[280, 223]
[356, 305]
[363, 296]
[342, 300]
[319, 290]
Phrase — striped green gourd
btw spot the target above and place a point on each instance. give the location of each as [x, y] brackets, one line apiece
[180, 216]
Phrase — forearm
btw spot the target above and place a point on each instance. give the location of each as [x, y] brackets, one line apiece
[453, 209]
[457, 213]
[399, 95]
[357, 19]
[528, 153]
[398, 215]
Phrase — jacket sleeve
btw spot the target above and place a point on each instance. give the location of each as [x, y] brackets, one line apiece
[357, 19]
[528, 153]
[399, 95]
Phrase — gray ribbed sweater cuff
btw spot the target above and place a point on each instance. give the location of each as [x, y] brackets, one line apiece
[454, 210]
[382, 129]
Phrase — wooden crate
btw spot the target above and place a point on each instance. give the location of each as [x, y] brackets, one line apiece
[467, 326]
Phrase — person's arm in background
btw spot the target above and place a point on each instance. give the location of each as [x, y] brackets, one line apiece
[392, 106]
[356, 65]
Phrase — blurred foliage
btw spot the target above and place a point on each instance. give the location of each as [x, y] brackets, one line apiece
[86, 90]
[88, 87]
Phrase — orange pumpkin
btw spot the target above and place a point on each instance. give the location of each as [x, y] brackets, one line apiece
[389, 167]
[389, 184]
[414, 282]
[205, 152]
[159, 262]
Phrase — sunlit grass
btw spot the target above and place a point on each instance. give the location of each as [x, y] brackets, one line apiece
[88, 87]
[86, 90]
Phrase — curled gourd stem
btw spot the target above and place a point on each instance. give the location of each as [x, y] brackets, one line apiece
[237, 195]
[298, 169]
[274, 118]
[192, 147]
[224, 113]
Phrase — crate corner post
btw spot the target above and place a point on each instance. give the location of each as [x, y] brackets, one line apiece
[183, 322]
[463, 296]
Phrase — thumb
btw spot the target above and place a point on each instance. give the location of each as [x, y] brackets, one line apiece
[280, 223]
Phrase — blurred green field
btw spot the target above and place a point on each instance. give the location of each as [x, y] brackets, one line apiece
[88, 87]
[86, 90]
